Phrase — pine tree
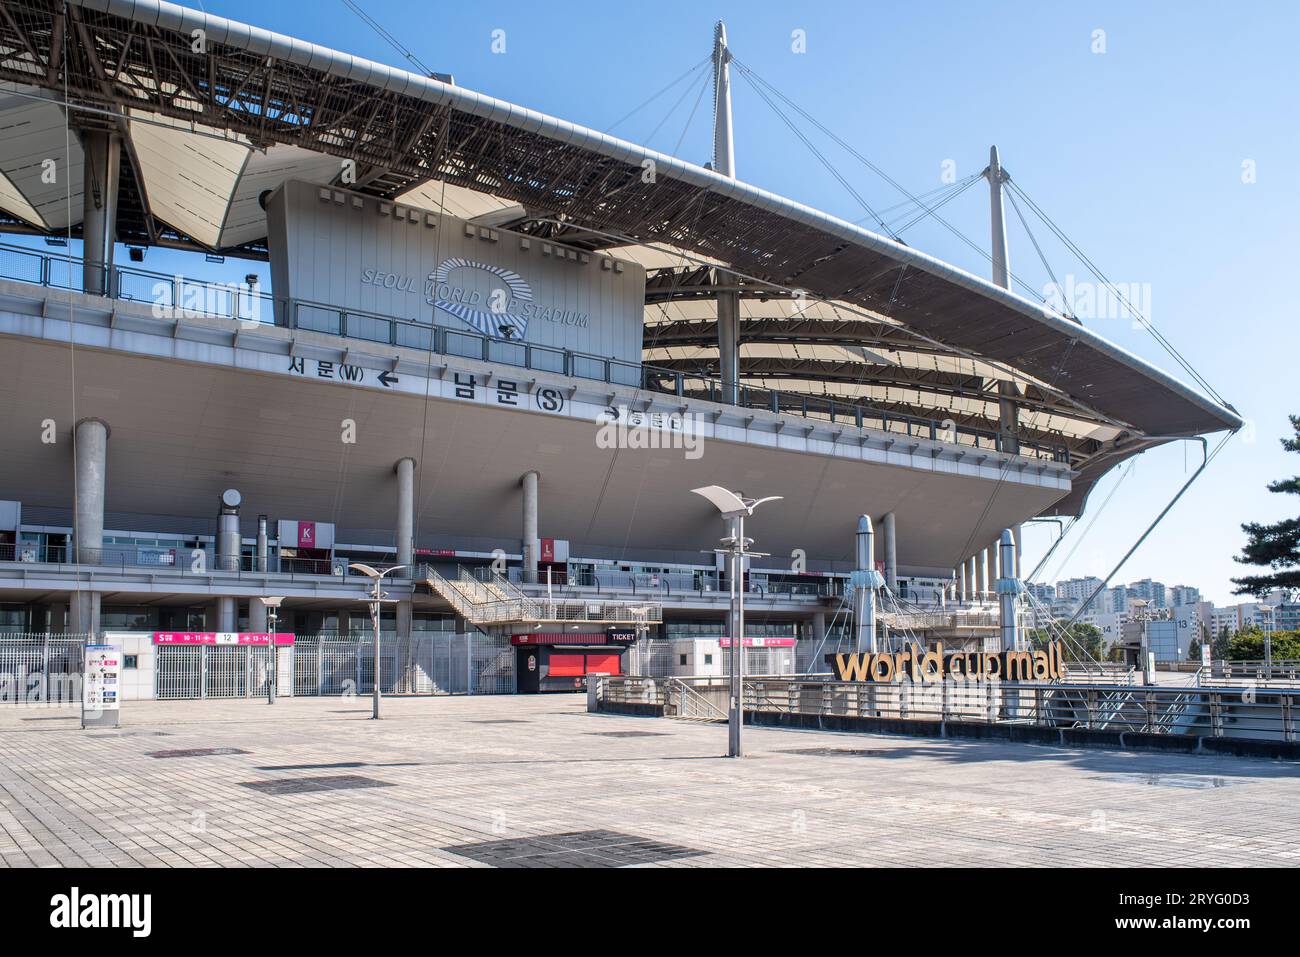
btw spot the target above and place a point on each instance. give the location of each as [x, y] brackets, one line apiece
[1276, 546]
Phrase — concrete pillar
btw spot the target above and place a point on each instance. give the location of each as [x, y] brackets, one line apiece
[961, 582]
[56, 618]
[90, 451]
[891, 553]
[227, 614]
[256, 615]
[972, 578]
[90, 469]
[103, 152]
[817, 628]
[531, 542]
[83, 613]
[405, 469]
[981, 574]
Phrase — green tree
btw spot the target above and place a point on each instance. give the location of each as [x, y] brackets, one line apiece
[1219, 648]
[1080, 636]
[1248, 645]
[1276, 545]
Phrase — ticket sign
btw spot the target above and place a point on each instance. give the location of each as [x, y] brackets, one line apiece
[221, 638]
[101, 686]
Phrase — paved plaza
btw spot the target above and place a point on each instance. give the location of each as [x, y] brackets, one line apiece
[536, 781]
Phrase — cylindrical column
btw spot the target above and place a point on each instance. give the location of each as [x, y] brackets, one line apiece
[102, 152]
[1008, 588]
[263, 545]
[90, 470]
[961, 582]
[724, 164]
[982, 573]
[405, 469]
[90, 449]
[228, 537]
[227, 614]
[256, 615]
[891, 553]
[736, 628]
[530, 542]
[864, 587]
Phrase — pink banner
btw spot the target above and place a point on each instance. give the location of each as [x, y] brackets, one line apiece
[220, 638]
[306, 534]
[760, 642]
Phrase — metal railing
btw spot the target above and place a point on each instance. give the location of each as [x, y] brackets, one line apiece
[490, 603]
[176, 296]
[40, 668]
[179, 560]
[1262, 714]
[1278, 673]
[683, 583]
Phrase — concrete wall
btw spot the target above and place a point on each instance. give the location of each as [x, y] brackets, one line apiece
[342, 248]
[138, 682]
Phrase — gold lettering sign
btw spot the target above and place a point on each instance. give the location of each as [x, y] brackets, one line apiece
[1041, 665]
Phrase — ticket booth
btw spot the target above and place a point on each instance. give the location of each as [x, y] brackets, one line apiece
[561, 661]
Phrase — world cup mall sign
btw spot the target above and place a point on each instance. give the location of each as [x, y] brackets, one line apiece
[1043, 665]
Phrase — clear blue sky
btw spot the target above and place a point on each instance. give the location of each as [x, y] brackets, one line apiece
[1136, 152]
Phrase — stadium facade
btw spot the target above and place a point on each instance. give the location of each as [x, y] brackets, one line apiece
[500, 350]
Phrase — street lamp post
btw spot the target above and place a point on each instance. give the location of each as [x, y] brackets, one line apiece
[734, 509]
[272, 603]
[376, 601]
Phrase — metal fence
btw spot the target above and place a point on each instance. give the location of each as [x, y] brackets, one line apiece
[1242, 712]
[40, 668]
[430, 664]
[175, 296]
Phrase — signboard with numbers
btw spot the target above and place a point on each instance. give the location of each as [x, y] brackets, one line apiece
[101, 686]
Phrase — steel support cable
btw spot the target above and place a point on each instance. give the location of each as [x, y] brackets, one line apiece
[830, 167]
[673, 109]
[755, 79]
[1069, 526]
[391, 40]
[1065, 307]
[1095, 270]
[691, 118]
[1093, 520]
[907, 206]
[931, 210]
[1206, 458]
[641, 106]
[1101, 277]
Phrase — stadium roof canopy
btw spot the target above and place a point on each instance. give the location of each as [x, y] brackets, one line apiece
[828, 307]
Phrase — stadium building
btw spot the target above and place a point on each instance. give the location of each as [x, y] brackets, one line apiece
[499, 350]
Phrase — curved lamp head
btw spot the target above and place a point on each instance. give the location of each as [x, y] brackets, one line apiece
[729, 503]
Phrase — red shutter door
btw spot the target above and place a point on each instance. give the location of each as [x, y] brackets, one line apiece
[602, 663]
[566, 666]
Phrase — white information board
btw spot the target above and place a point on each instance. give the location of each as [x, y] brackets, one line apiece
[101, 686]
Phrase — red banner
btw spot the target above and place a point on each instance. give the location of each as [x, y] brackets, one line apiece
[221, 638]
[306, 534]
